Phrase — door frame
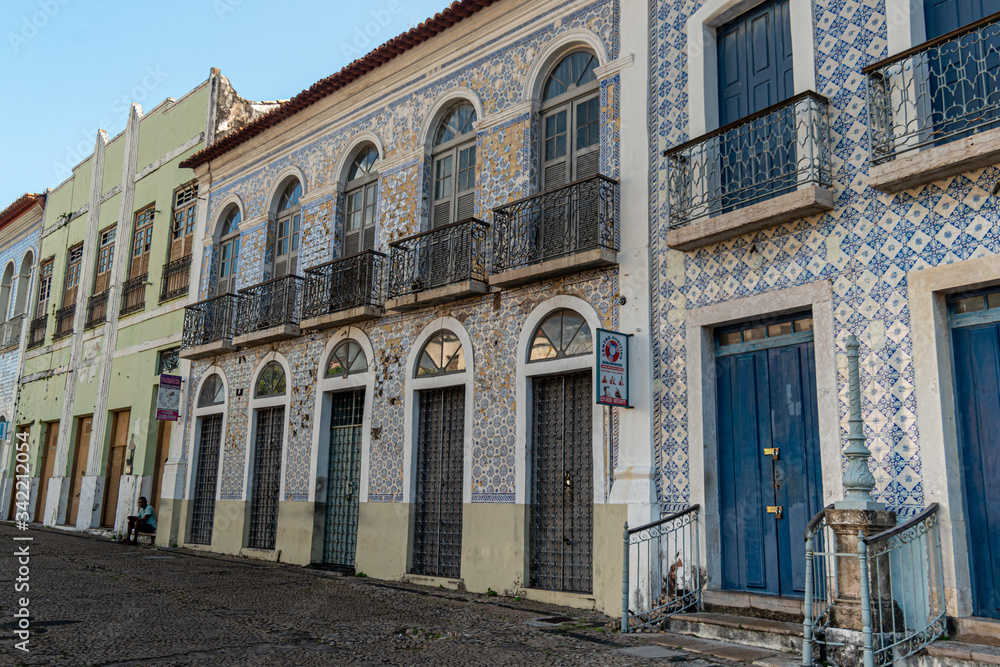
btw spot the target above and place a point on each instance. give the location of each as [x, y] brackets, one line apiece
[703, 446]
[934, 388]
[192, 469]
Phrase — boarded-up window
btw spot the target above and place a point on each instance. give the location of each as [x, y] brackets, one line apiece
[72, 283]
[142, 241]
[359, 212]
[44, 287]
[105, 256]
[570, 122]
[182, 227]
[454, 174]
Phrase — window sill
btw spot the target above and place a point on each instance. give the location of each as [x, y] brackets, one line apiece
[437, 295]
[792, 206]
[581, 261]
[933, 164]
[213, 349]
[269, 335]
[341, 317]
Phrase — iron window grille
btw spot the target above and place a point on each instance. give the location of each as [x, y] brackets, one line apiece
[351, 282]
[11, 332]
[270, 304]
[769, 153]
[36, 332]
[175, 279]
[939, 91]
[210, 321]
[168, 360]
[134, 294]
[64, 322]
[206, 479]
[443, 256]
[571, 219]
[97, 310]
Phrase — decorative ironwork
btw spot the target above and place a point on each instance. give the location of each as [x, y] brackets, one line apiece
[134, 294]
[10, 332]
[270, 304]
[36, 332]
[351, 282]
[822, 586]
[437, 534]
[575, 218]
[439, 257]
[97, 310]
[773, 152]
[266, 478]
[64, 322]
[209, 321]
[343, 479]
[206, 479]
[937, 92]
[661, 569]
[168, 360]
[561, 522]
[176, 278]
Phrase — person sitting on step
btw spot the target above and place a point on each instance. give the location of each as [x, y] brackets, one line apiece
[143, 522]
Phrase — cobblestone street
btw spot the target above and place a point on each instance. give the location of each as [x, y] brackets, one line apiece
[94, 602]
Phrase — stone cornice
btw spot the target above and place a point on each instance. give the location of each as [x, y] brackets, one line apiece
[614, 67]
[507, 115]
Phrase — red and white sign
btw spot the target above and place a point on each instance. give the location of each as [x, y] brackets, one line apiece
[168, 398]
[612, 368]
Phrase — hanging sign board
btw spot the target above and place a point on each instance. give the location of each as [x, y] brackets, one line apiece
[168, 398]
[612, 368]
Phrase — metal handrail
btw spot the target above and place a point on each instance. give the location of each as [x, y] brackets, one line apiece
[903, 527]
[349, 282]
[552, 191]
[438, 257]
[666, 519]
[210, 320]
[271, 303]
[438, 230]
[37, 325]
[931, 43]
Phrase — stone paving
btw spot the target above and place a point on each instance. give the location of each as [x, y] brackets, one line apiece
[94, 602]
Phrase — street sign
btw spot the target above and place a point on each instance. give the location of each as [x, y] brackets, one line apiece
[168, 398]
[612, 368]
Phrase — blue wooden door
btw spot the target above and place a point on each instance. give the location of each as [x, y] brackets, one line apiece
[977, 403]
[768, 455]
[755, 72]
[964, 75]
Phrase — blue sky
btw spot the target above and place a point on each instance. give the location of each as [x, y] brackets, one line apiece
[69, 67]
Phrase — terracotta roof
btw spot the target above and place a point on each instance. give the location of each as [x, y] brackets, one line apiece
[396, 46]
[20, 206]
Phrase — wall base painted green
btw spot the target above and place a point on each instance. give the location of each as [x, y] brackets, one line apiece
[383, 539]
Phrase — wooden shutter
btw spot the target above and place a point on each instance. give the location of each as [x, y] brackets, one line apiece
[466, 183]
[293, 242]
[281, 241]
[142, 241]
[444, 189]
[105, 256]
[182, 222]
[555, 148]
[44, 287]
[74, 258]
[368, 231]
[228, 251]
[586, 138]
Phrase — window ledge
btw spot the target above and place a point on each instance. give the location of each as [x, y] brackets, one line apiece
[434, 582]
[213, 349]
[341, 317]
[436, 295]
[933, 164]
[269, 335]
[792, 206]
[581, 261]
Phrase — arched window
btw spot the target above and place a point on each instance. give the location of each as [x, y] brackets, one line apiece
[271, 381]
[5, 287]
[454, 170]
[229, 252]
[571, 117]
[286, 232]
[562, 334]
[23, 278]
[442, 354]
[346, 358]
[212, 393]
[359, 207]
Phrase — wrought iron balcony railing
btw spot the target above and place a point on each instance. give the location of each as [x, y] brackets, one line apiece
[36, 332]
[209, 321]
[10, 333]
[97, 310]
[939, 91]
[176, 278]
[64, 322]
[270, 304]
[438, 257]
[773, 152]
[578, 217]
[134, 294]
[351, 282]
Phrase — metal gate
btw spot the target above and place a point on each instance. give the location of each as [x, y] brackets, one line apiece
[266, 478]
[562, 484]
[437, 535]
[343, 477]
[205, 481]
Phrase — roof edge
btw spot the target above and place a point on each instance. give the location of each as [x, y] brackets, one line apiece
[19, 207]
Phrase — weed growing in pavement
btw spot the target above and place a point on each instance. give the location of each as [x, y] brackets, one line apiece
[490, 593]
[359, 573]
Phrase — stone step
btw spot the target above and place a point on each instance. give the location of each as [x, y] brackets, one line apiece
[724, 650]
[975, 630]
[956, 654]
[777, 636]
[738, 603]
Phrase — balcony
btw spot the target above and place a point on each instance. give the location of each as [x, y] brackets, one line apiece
[133, 295]
[97, 310]
[438, 266]
[64, 322]
[561, 231]
[269, 311]
[176, 278]
[763, 170]
[36, 332]
[343, 291]
[209, 327]
[10, 332]
[935, 109]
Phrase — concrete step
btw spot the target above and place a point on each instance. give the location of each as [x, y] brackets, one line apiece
[955, 654]
[777, 636]
[739, 603]
[724, 650]
[974, 630]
